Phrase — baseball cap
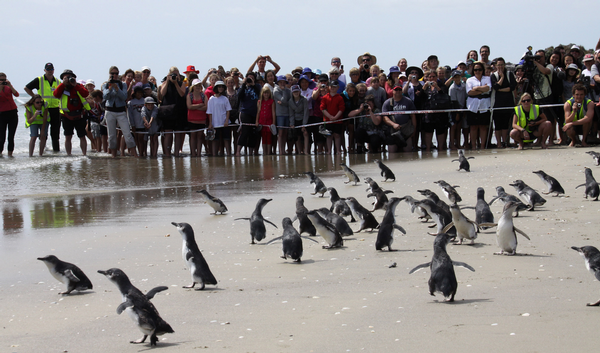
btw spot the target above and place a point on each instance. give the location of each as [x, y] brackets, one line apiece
[334, 83]
[575, 47]
[149, 100]
[588, 57]
[90, 82]
[196, 82]
[144, 68]
[296, 88]
[456, 73]
[397, 86]
[49, 67]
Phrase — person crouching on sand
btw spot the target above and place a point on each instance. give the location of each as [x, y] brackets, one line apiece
[529, 122]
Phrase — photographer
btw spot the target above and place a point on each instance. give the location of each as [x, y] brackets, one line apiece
[364, 64]
[368, 127]
[173, 111]
[248, 96]
[115, 94]
[403, 126]
[579, 115]
[9, 116]
[542, 82]
[261, 61]
[72, 105]
[529, 122]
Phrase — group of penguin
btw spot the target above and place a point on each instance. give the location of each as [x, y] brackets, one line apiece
[451, 224]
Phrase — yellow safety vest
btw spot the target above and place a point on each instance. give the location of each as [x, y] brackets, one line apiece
[64, 100]
[39, 120]
[583, 111]
[46, 91]
[522, 121]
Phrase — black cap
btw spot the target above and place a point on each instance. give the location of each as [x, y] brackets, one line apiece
[49, 67]
[67, 72]
[334, 83]
[323, 77]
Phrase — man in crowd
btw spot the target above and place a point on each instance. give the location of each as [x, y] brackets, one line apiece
[45, 86]
[402, 125]
[261, 61]
[71, 96]
[365, 62]
[579, 115]
[337, 62]
[542, 83]
[484, 52]
[115, 94]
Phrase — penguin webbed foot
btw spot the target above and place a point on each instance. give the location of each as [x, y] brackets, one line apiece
[190, 286]
[153, 340]
[432, 226]
[141, 340]
[593, 304]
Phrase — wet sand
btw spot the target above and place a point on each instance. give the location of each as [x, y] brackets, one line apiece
[345, 299]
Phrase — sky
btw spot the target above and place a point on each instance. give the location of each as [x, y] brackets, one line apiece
[90, 36]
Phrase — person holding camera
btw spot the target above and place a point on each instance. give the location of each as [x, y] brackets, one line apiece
[529, 122]
[173, 111]
[261, 61]
[364, 64]
[368, 127]
[115, 94]
[248, 95]
[37, 120]
[403, 126]
[579, 115]
[72, 101]
[9, 116]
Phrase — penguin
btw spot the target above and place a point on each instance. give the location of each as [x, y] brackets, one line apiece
[139, 307]
[325, 229]
[592, 262]
[595, 155]
[258, 231]
[372, 184]
[552, 184]
[385, 171]
[320, 187]
[193, 258]
[306, 225]
[435, 198]
[213, 202]
[338, 204]
[367, 220]
[506, 232]
[381, 200]
[449, 191]
[591, 186]
[465, 228]
[483, 214]
[338, 222]
[420, 211]
[292, 242]
[442, 278]
[463, 162]
[385, 234]
[352, 177]
[504, 197]
[67, 273]
[528, 195]
[438, 214]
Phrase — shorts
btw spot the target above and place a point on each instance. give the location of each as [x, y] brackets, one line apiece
[34, 130]
[194, 126]
[70, 125]
[440, 127]
[283, 121]
[335, 128]
[103, 130]
[474, 119]
[223, 133]
[503, 119]
[95, 129]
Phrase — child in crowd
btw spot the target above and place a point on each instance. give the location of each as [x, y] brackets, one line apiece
[196, 104]
[38, 121]
[264, 117]
[333, 106]
[149, 113]
[458, 97]
[134, 113]
[378, 93]
[281, 96]
[218, 118]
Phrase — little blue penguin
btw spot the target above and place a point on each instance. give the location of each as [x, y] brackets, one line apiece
[193, 258]
[213, 202]
[67, 273]
[258, 231]
[591, 255]
[352, 177]
[385, 234]
[591, 186]
[463, 162]
[386, 172]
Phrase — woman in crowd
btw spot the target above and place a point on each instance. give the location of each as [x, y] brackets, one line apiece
[196, 117]
[264, 116]
[392, 80]
[503, 85]
[413, 89]
[281, 96]
[298, 112]
[232, 95]
[319, 139]
[478, 99]
[434, 121]
[529, 122]
[37, 121]
[472, 54]
[248, 98]
[9, 116]
[402, 64]
[173, 111]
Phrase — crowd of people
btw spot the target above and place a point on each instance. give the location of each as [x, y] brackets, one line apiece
[546, 99]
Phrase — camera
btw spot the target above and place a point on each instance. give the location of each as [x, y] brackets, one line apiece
[113, 81]
[365, 106]
[174, 76]
[366, 66]
[586, 81]
[413, 77]
[4, 83]
[249, 80]
[72, 80]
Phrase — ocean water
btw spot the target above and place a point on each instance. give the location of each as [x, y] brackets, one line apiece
[57, 190]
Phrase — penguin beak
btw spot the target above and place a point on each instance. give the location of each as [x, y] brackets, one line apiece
[175, 224]
[576, 248]
[41, 258]
[102, 272]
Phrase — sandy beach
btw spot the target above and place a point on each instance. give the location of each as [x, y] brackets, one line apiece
[340, 300]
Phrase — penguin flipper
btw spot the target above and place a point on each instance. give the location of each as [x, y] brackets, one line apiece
[462, 264]
[152, 292]
[421, 266]
[488, 225]
[70, 275]
[295, 218]
[517, 230]
[447, 227]
[309, 238]
[271, 223]
[455, 160]
[124, 305]
[242, 219]
[388, 192]
[577, 187]
[274, 239]
[494, 199]
[470, 157]
[399, 228]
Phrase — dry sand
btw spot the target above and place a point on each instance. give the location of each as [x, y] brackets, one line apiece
[336, 300]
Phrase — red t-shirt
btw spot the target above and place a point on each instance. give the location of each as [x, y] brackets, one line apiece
[6, 99]
[58, 92]
[333, 105]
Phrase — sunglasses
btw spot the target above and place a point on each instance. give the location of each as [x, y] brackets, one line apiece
[146, 72]
[526, 100]
[335, 61]
[474, 70]
[37, 102]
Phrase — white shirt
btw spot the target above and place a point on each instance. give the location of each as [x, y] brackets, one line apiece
[218, 108]
[476, 104]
